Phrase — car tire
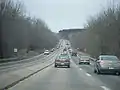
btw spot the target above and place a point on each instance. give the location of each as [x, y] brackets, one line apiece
[98, 71]
[79, 63]
[117, 73]
[95, 71]
[55, 66]
[68, 66]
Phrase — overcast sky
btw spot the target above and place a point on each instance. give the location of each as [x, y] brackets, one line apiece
[59, 14]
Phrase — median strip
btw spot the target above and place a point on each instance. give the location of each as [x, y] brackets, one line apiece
[16, 82]
[10, 79]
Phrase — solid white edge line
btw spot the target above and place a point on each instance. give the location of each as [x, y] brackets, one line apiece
[104, 87]
[88, 74]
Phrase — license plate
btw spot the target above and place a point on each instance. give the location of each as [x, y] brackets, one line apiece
[62, 63]
[111, 68]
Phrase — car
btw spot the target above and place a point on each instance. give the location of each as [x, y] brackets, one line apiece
[74, 53]
[107, 64]
[52, 50]
[67, 44]
[84, 60]
[62, 60]
[64, 53]
[70, 50]
[64, 49]
[46, 52]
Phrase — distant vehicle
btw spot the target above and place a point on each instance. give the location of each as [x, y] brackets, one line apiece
[107, 63]
[64, 53]
[46, 52]
[52, 50]
[84, 60]
[68, 47]
[67, 43]
[70, 50]
[62, 60]
[74, 53]
[64, 49]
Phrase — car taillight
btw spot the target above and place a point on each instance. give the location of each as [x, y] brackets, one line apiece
[67, 60]
[101, 62]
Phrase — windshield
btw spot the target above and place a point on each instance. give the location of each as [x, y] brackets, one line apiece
[111, 58]
[84, 57]
[64, 57]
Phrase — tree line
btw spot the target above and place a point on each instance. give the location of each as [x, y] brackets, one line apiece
[17, 30]
[102, 34]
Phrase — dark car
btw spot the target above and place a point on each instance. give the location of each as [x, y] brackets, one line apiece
[108, 64]
[74, 53]
[84, 60]
[62, 60]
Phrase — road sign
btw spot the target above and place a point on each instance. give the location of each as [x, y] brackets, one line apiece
[15, 50]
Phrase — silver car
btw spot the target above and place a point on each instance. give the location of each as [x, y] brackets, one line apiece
[84, 60]
[46, 52]
[107, 63]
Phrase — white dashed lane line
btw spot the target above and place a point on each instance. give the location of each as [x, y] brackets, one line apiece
[80, 68]
[88, 74]
[104, 87]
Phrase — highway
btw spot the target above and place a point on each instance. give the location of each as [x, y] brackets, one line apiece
[109, 80]
[59, 79]
[77, 77]
[11, 66]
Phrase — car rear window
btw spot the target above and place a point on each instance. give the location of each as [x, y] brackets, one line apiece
[46, 50]
[84, 57]
[63, 57]
[111, 58]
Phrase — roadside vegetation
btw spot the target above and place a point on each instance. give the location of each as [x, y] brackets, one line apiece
[17, 30]
[102, 34]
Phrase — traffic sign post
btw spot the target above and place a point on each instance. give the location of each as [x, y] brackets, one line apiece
[15, 51]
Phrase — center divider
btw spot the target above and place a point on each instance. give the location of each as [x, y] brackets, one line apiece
[23, 77]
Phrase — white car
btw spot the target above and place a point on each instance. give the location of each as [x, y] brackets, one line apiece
[84, 60]
[46, 52]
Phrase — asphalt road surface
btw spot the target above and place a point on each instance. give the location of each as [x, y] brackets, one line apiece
[110, 80]
[24, 64]
[77, 77]
[63, 78]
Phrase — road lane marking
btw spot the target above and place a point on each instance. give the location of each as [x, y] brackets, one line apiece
[88, 74]
[104, 87]
[80, 68]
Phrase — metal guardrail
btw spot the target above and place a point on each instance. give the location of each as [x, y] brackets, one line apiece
[17, 59]
[8, 60]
